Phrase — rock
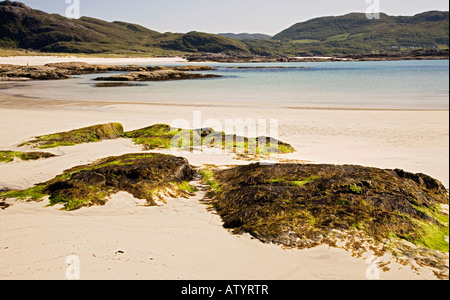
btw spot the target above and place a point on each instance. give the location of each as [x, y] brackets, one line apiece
[142, 175]
[33, 72]
[90, 177]
[83, 135]
[4, 205]
[163, 136]
[285, 202]
[117, 84]
[65, 70]
[10, 156]
[194, 68]
[158, 75]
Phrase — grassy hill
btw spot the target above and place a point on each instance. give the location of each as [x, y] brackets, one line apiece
[247, 36]
[27, 28]
[22, 27]
[355, 33]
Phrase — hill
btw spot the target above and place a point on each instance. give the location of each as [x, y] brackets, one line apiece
[355, 33]
[27, 28]
[22, 27]
[247, 36]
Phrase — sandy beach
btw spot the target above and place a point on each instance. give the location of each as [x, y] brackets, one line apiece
[43, 60]
[183, 239]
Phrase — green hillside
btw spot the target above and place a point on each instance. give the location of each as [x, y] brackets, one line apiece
[22, 27]
[355, 33]
[27, 28]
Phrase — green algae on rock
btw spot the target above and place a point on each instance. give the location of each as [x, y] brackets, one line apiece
[145, 176]
[89, 134]
[10, 156]
[164, 136]
[304, 206]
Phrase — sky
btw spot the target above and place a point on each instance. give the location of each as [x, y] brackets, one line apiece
[224, 16]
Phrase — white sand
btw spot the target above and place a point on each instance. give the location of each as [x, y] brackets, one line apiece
[183, 240]
[42, 60]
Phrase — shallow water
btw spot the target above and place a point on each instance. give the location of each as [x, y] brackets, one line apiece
[379, 85]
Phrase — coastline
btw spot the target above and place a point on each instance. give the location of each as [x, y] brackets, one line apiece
[42, 60]
[183, 239]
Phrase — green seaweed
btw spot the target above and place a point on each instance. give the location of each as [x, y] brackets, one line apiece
[434, 233]
[208, 177]
[10, 156]
[162, 136]
[89, 134]
[142, 175]
[272, 204]
[187, 187]
[34, 193]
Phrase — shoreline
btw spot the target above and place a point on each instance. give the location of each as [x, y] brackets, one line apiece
[183, 239]
[18, 101]
[40, 60]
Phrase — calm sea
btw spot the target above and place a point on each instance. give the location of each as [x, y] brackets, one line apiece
[392, 85]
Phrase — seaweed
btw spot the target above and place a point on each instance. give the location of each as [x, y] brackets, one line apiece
[163, 136]
[145, 176]
[305, 205]
[10, 156]
[89, 134]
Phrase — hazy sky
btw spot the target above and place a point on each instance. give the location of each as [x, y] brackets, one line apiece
[219, 16]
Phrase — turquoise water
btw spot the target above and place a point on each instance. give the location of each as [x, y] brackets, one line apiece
[392, 85]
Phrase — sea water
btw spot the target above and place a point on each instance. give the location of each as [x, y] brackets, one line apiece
[418, 84]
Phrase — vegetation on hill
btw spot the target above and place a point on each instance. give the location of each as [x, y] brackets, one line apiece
[27, 28]
[247, 36]
[355, 33]
[22, 27]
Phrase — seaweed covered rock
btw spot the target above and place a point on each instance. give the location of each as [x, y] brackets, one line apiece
[164, 136]
[10, 156]
[89, 134]
[308, 205]
[145, 176]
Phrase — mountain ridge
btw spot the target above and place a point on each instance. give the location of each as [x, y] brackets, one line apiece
[27, 28]
[356, 33]
[22, 27]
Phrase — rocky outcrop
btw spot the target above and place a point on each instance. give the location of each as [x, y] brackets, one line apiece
[9, 72]
[66, 70]
[158, 75]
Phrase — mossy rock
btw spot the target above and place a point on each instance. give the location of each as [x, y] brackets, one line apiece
[10, 156]
[145, 176]
[164, 136]
[305, 205]
[90, 134]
